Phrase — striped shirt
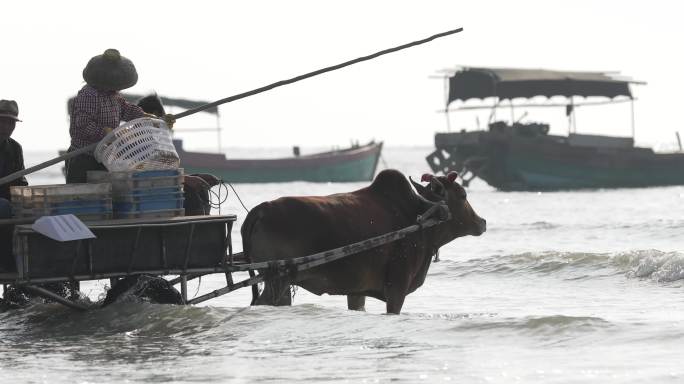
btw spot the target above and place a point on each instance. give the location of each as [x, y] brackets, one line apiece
[93, 110]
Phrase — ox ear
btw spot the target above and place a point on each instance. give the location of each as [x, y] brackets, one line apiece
[451, 176]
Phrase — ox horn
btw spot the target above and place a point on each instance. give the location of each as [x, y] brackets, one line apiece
[433, 191]
[437, 187]
[451, 176]
[419, 187]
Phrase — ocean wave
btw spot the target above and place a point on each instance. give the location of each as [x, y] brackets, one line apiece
[652, 264]
[552, 324]
[537, 262]
[656, 225]
[128, 319]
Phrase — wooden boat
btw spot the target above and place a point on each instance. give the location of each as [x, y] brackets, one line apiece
[356, 163]
[523, 156]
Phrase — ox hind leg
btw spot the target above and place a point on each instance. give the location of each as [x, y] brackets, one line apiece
[356, 302]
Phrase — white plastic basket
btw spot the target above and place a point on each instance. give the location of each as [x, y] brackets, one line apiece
[139, 144]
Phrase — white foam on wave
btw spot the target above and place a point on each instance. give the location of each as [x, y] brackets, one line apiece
[656, 265]
[653, 264]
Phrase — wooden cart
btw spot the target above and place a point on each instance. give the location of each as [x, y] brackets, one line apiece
[187, 247]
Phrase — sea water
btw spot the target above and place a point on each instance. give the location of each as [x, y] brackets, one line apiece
[564, 287]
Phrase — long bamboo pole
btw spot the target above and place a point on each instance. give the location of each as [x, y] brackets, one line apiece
[189, 112]
[315, 73]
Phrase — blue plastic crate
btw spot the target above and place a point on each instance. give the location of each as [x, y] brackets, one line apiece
[157, 173]
[78, 204]
[146, 196]
[87, 209]
[156, 191]
[94, 210]
[140, 182]
[149, 203]
[150, 214]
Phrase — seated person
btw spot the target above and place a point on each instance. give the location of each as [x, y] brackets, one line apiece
[11, 160]
[99, 108]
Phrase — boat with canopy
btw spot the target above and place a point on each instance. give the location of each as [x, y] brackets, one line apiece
[513, 155]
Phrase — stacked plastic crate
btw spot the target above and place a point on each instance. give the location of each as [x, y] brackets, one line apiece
[87, 201]
[144, 194]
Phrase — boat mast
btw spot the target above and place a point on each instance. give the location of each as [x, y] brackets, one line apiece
[632, 107]
[218, 129]
[492, 115]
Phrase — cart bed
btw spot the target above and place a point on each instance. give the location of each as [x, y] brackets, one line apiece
[166, 246]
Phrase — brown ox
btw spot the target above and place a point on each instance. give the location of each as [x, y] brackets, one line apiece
[291, 227]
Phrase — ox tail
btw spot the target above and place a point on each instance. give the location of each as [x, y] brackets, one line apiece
[246, 232]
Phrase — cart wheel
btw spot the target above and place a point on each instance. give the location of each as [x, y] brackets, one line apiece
[143, 288]
[17, 296]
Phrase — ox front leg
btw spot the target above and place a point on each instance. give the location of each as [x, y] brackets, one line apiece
[396, 284]
[356, 302]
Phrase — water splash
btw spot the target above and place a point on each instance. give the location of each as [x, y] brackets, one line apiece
[658, 266]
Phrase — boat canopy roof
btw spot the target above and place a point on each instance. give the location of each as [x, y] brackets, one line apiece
[508, 83]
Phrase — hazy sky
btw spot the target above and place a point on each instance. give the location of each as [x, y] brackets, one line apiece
[210, 50]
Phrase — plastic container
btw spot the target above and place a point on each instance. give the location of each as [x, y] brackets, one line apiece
[140, 144]
[42, 195]
[87, 201]
[149, 214]
[100, 211]
[131, 182]
[144, 203]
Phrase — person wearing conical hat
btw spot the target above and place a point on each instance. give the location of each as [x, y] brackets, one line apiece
[98, 108]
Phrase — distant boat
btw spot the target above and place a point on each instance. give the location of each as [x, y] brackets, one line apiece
[356, 163]
[514, 156]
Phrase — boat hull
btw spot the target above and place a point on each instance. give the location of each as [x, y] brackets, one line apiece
[349, 165]
[544, 162]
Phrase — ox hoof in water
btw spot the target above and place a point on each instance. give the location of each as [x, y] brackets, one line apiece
[291, 227]
[143, 288]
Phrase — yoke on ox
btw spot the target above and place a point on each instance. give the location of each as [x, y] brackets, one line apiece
[289, 227]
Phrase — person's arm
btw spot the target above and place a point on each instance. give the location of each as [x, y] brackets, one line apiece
[83, 116]
[20, 164]
[129, 111]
